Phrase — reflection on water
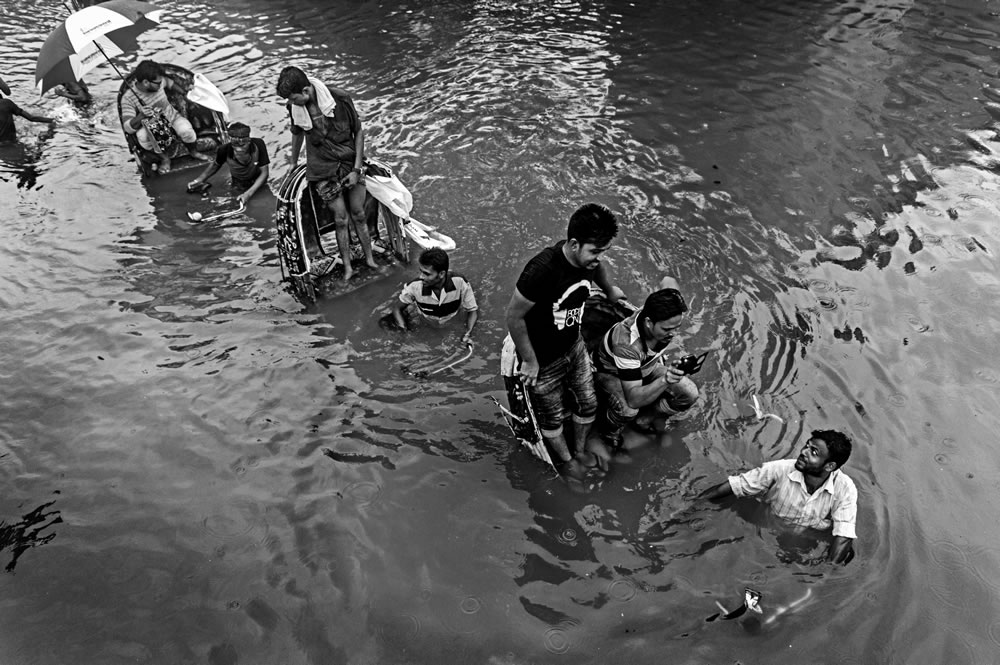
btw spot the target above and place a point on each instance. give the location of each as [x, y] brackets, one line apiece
[20, 536]
[243, 478]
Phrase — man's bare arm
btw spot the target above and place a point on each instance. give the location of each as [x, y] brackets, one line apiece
[601, 278]
[516, 311]
[841, 550]
[720, 491]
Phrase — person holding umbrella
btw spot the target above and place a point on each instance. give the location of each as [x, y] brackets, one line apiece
[8, 110]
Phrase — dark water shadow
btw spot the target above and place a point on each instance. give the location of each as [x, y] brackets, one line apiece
[21, 536]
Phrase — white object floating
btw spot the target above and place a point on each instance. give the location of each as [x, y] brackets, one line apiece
[760, 412]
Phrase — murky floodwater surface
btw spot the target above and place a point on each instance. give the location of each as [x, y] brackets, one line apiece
[197, 468]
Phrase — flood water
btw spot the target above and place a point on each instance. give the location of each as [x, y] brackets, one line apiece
[198, 468]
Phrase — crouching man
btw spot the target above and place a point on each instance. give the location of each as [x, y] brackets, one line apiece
[634, 383]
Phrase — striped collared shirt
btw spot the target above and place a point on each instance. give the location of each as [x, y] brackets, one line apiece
[834, 504]
[623, 352]
[440, 307]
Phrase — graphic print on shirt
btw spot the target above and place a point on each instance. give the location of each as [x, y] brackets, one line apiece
[567, 310]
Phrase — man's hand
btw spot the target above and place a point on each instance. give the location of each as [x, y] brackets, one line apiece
[352, 179]
[841, 550]
[668, 373]
[672, 375]
[244, 198]
[467, 339]
[528, 372]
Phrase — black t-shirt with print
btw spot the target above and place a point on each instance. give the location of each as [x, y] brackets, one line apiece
[559, 291]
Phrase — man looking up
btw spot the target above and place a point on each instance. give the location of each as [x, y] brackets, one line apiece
[809, 491]
[543, 321]
[631, 375]
[145, 101]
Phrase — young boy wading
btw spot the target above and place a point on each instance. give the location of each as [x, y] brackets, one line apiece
[543, 319]
[326, 120]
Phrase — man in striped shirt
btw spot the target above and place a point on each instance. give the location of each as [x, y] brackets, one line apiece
[633, 380]
[437, 294]
[809, 491]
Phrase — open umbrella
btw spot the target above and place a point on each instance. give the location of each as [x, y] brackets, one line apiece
[89, 36]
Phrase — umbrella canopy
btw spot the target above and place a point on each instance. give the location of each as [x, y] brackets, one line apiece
[75, 47]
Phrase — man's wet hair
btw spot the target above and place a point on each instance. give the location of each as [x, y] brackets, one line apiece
[662, 305]
[592, 223]
[291, 80]
[434, 257]
[838, 445]
[148, 70]
[238, 129]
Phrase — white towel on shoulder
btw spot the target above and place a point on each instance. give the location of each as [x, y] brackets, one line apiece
[324, 100]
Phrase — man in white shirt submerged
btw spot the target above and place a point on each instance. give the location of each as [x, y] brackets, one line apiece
[809, 491]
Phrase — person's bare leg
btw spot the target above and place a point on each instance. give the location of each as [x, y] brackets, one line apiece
[356, 201]
[192, 149]
[343, 233]
[184, 130]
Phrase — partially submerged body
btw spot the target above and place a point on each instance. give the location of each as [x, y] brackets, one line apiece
[437, 295]
[77, 92]
[810, 491]
[8, 111]
[247, 159]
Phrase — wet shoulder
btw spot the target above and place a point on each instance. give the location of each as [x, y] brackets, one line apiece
[339, 93]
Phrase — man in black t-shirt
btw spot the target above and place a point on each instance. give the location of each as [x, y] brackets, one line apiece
[249, 165]
[543, 319]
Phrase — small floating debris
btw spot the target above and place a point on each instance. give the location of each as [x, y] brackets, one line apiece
[751, 601]
[760, 411]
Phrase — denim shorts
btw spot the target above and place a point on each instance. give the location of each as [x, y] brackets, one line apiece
[570, 373]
